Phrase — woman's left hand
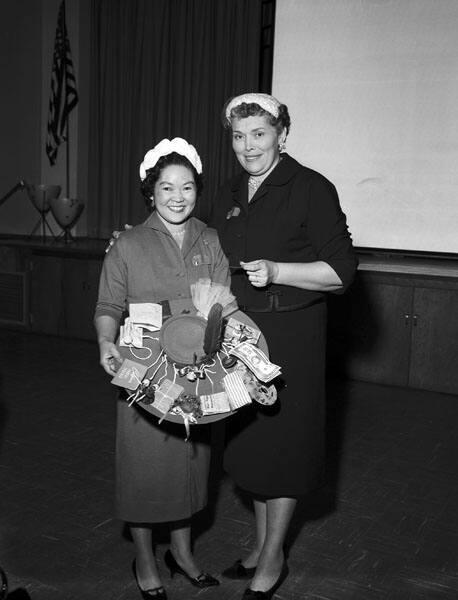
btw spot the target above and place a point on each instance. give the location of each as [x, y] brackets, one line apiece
[114, 236]
[260, 272]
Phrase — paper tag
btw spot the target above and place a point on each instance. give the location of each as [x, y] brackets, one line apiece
[166, 394]
[129, 375]
[215, 403]
[130, 334]
[147, 313]
[236, 391]
[237, 332]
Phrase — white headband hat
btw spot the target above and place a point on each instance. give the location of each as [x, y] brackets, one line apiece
[265, 101]
[165, 147]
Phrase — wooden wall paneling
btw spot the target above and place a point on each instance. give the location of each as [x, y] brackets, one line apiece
[9, 259]
[46, 296]
[80, 289]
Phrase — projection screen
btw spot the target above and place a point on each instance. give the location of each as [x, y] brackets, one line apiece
[372, 88]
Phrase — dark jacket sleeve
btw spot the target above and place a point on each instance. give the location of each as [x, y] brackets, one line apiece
[328, 231]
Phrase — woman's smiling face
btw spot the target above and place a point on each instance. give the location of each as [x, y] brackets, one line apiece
[255, 142]
[175, 194]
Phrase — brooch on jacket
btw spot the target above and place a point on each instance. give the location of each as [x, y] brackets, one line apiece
[234, 212]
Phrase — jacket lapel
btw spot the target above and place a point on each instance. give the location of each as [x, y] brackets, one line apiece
[239, 193]
[193, 233]
[281, 174]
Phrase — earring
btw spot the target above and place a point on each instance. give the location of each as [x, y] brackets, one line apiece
[282, 146]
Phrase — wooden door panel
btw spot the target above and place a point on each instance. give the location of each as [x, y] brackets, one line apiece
[376, 332]
[434, 354]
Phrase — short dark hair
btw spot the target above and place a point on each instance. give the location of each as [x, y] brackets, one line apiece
[252, 109]
[153, 174]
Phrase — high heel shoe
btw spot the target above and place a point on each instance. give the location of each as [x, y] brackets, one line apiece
[201, 581]
[238, 571]
[157, 593]
[250, 594]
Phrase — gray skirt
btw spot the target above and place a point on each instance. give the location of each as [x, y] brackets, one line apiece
[159, 476]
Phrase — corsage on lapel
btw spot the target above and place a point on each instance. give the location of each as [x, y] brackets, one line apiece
[234, 212]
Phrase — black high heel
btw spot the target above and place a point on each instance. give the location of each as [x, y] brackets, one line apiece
[157, 593]
[201, 581]
[250, 594]
[238, 571]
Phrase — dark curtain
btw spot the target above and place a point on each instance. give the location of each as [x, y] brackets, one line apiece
[163, 68]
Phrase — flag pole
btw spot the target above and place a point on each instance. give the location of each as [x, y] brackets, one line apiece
[67, 159]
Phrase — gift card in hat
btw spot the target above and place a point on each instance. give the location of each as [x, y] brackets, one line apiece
[129, 374]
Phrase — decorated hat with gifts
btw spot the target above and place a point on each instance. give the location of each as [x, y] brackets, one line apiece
[195, 360]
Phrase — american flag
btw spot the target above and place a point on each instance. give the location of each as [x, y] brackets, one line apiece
[64, 96]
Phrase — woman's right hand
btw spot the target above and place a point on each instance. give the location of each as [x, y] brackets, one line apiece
[260, 272]
[110, 358]
[114, 236]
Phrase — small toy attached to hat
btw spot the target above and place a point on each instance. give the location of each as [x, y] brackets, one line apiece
[199, 363]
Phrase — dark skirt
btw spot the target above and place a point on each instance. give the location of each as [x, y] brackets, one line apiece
[159, 476]
[279, 450]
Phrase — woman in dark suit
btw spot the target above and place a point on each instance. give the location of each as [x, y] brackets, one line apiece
[286, 238]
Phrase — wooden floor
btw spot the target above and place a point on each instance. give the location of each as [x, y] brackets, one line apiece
[384, 527]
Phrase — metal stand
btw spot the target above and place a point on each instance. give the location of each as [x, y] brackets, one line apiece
[40, 195]
[12, 191]
[43, 223]
[42, 210]
[65, 236]
[66, 212]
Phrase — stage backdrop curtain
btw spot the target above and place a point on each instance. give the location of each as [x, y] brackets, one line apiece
[163, 68]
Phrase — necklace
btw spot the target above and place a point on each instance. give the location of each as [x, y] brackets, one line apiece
[178, 233]
[254, 182]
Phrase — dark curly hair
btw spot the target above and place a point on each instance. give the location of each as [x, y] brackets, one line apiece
[252, 109]
[153, 174]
